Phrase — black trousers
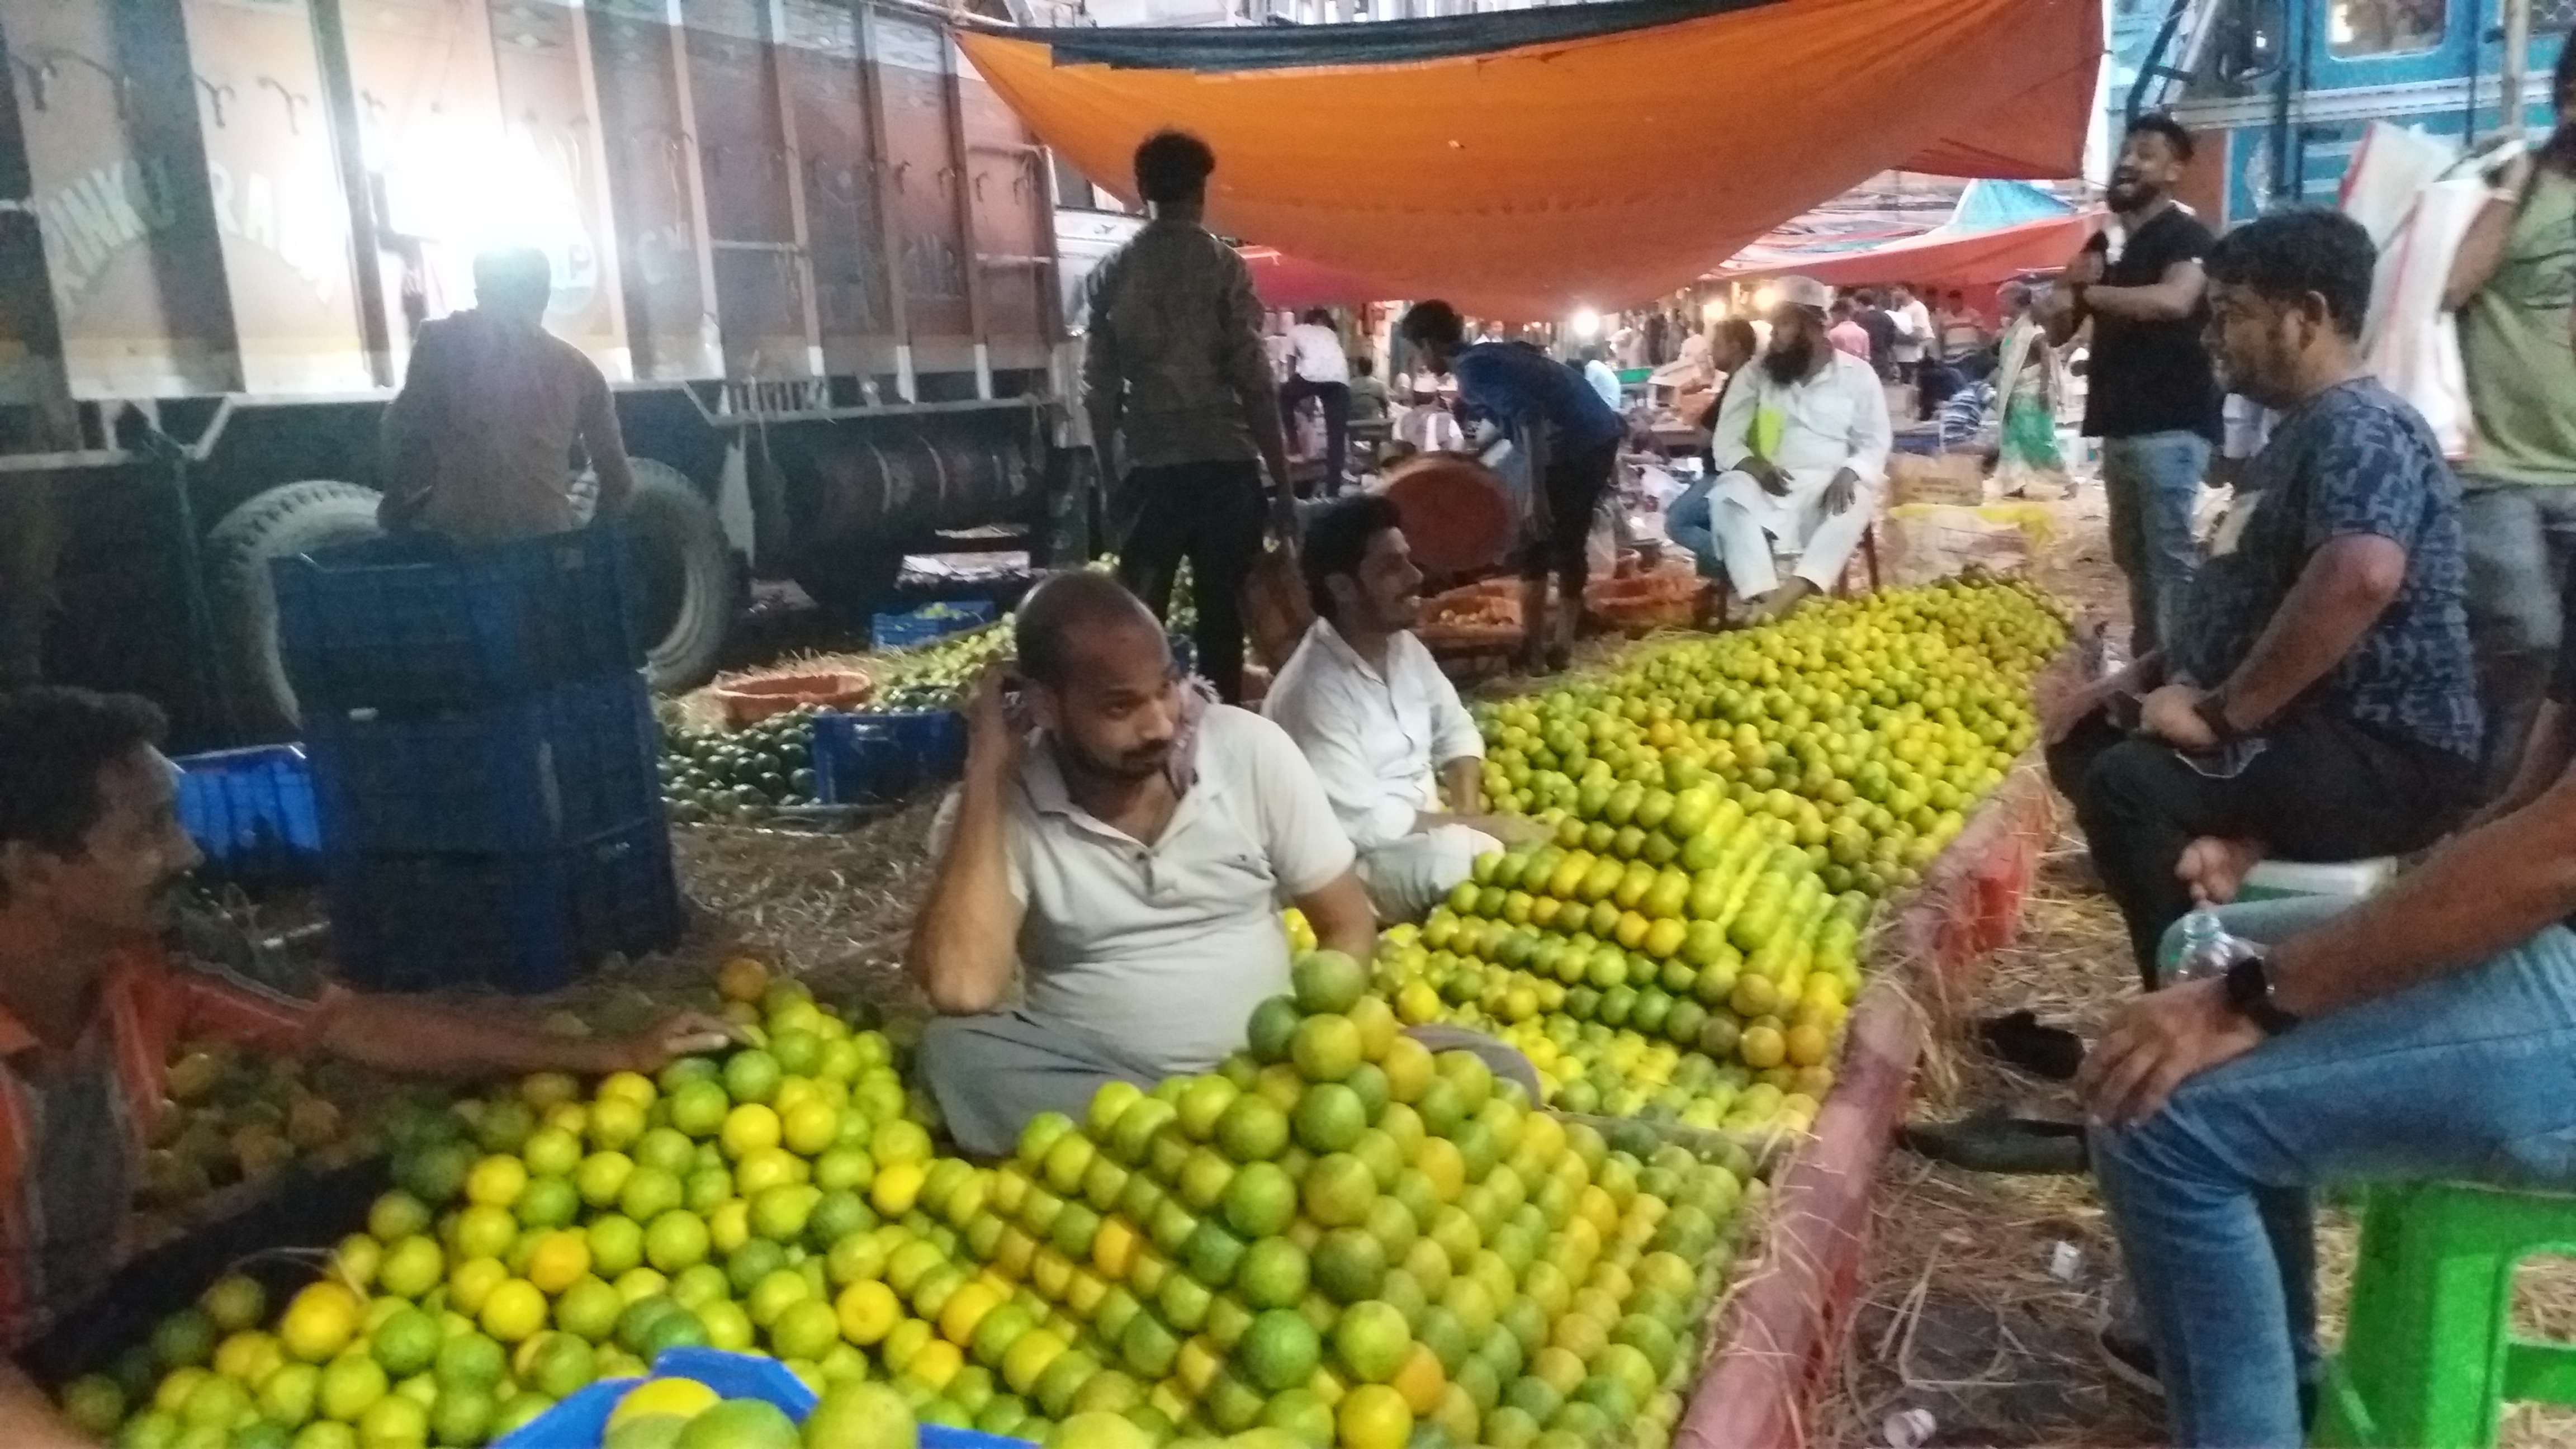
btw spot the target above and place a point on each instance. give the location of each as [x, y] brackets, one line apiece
[1335, 399]
[1210, 514]
[305, 1211]
[2322, 788]
[1572, 493]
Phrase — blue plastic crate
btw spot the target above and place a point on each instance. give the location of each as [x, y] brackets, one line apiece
[419, 622]
[252, 813]
[522, 922]
[571, 763]
[581, 1419]
[916, 627]
[880, 759]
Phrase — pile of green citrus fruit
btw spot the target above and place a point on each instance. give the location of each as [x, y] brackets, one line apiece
[230, 1118]
[1344, 1238]
[682, 1413]
[540, 1241]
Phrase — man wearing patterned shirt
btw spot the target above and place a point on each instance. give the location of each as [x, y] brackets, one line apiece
[92, 1001]
[2318, 699]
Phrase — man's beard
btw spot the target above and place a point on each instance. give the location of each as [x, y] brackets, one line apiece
[2132, 194]
[1791, 360]
[1142, 763]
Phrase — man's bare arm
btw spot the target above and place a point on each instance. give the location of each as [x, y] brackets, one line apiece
[606, 445]
[2171, 298]
[411, 1036]
[2482, 248]
[29, 1420]
[2483, 892]
[2546, 755]
[965, 941]
[1342, 918]
[2345, 587]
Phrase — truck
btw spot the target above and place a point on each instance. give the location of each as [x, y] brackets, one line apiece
[2278, 92]
[810, 248]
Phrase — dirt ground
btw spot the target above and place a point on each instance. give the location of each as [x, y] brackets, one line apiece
[1981, 1296]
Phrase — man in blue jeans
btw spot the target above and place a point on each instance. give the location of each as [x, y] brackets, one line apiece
[2422, 1033]
[2150, 394]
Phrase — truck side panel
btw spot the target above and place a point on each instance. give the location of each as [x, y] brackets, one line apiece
[753, 224]
[1014, 220]
[279, 206]
[827, 96]
[908, 65]
[107, 109]
[653, 178]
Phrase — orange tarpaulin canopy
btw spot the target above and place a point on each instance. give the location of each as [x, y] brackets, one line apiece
[1530, 163]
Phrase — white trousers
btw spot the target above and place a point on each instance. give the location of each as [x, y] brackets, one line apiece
[1407, 876]
[1744, 519]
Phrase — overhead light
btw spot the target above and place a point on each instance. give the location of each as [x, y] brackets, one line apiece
[1587, 323]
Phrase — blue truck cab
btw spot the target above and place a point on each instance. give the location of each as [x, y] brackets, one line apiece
[2277, 92]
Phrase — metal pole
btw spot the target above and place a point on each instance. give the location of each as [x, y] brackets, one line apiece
[2517, 60]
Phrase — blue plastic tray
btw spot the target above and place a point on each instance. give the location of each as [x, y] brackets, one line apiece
[928, 623]
[523, 922]
[580, 1420]
[417, 622]
[879, 759]
[568, 764]
[252, 813]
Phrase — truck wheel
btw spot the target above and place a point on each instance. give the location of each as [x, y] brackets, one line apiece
[692, 590]
[289, 519]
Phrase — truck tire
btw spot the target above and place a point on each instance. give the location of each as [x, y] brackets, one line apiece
[289, 519]
[693, 591]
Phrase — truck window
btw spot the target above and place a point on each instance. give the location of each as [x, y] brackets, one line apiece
[2356, 29]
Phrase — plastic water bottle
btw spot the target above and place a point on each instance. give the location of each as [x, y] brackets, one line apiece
[2207, 949]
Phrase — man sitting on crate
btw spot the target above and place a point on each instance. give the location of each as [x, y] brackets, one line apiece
[92, 1002]
[2417, 1035]
[478, 444]
[1801, 454]
[2319, 697]
[1379, 721]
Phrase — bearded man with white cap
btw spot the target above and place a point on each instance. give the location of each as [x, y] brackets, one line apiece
[1801, 455]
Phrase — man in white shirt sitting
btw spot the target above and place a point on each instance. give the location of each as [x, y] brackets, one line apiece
[1122, 865]
[1604, 379]
[1801, 455]
[1377, 719]
[1318, 368]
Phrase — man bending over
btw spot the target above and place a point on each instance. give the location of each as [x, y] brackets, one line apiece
[1379, 721]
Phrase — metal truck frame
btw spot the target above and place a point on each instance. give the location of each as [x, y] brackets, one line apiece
[2278, 91]
[811, 249]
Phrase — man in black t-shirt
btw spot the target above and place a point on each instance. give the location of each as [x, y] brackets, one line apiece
[1871, 314]
[2151, 396]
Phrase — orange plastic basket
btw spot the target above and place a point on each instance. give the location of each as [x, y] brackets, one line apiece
[1457, 514]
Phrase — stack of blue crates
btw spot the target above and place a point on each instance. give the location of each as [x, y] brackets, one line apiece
[484, 758]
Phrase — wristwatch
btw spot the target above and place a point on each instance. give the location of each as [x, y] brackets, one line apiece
[2212, 709]
[2249, 991]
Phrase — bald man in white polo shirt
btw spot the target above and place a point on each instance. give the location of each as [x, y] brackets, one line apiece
[1123, 864]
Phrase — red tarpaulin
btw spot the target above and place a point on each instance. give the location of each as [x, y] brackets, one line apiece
[1530, 163]
[1937, 258]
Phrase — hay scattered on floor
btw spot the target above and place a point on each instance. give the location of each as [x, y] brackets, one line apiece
[831, 908]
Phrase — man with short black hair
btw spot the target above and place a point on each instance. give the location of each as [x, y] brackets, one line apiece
[1871, 317]
[1108, 876]
[1571, 439]
[1318, 368]
[1184, 411]
[98, 984]
[2421, 1034]
[1380, 723]
[477, 443]
[2317, 698]
[2149, 394]
[1916, 342]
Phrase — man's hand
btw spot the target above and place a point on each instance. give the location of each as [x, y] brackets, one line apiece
[2084, 271]
[2171, 714]
[681, 1034]
[1840, 493]
[1513, 830]
[993, 739]
[2062, 707]
[1766, 474]
[2157, 1043]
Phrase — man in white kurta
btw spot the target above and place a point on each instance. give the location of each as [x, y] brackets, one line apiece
[1801, 454]
[1379, 723]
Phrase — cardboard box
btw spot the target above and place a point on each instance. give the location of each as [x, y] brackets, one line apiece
[1951, 478]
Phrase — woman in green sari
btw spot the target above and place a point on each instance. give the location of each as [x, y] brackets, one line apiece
[2026, 397]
